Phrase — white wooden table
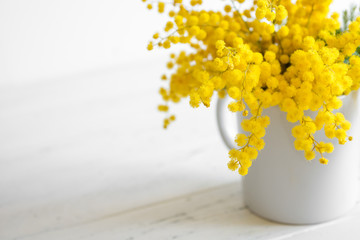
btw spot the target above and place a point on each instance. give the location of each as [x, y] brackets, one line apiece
[85, 157]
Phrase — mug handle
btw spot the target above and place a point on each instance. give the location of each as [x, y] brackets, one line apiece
[229, 142]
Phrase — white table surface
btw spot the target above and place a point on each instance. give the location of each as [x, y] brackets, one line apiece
[85, 157]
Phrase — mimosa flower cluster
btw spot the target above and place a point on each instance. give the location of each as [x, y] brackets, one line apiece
[274, 53]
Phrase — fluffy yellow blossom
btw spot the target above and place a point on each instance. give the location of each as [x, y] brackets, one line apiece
[310, 155]
[270, 56]
[234, 92]
[243, 171]
[233, 165]
[161, 7]
[150, 46]
[281, 13]
[323, 160]
[241, 139]
[275, 53]
[283, 31]
[260, 13]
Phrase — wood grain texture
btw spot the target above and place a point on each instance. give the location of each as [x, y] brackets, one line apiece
[85, 157]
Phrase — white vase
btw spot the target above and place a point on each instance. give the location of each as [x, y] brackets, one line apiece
[283, 186]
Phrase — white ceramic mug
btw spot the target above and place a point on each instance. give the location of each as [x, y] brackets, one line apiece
[283, 186]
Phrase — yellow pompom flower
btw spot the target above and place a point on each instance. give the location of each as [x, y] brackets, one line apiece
[220, 45]
[192, 20]
[241, 139]
[194, 30]
[166, 44]
[233, 107]
[234, 92]
[260, 13]
[283, 31]
[201, 35]
[346, 125]
[156, 36]
[233, 165]
[281, 13]
[262, 3]
[252, 152]
[247, 13]
[227, 8]
[270, 56]
[328, 147]
[246, 163]
[194, 99]
[257, 58]
[323, 161]
[284, 59]
[161, 7]
[299, 132]
[309, 155]
[150, 46]
[259, 144]
[204, 18]
[270, 16]
[243, 171]
[163, 108]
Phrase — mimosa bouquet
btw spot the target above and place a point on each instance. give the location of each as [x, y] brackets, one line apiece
[273, 53]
